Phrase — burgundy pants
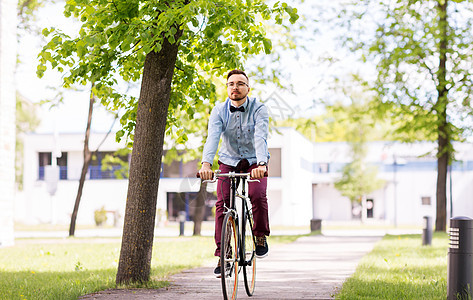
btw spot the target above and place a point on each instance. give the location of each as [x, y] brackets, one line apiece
[259, 203]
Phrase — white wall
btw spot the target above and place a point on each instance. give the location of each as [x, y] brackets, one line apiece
[36, 206]
[296, 185]
[410, 188]
[462, 194]
[329, 204]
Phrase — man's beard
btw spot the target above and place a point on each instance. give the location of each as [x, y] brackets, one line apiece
[238, 99]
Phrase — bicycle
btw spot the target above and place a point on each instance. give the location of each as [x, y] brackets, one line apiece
[238, 242]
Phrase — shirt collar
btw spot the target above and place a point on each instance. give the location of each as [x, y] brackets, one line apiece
[245, 105]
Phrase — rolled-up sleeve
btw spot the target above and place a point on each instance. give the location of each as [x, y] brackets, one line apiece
[261, 134]
[213, 136]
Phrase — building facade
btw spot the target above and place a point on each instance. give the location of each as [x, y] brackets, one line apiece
[409, 172]
[300, 186]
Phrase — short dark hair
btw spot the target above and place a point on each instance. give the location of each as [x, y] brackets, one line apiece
[236, 71]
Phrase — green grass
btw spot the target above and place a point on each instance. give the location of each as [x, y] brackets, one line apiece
[56, 227]
[399, 267]
[66, 269]
[283, 239]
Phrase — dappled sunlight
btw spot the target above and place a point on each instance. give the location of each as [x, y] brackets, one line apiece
[69, 268]
[399, 267]
[53, 285]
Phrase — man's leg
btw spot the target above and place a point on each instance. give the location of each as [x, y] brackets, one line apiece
[259, 202]
[223, 192]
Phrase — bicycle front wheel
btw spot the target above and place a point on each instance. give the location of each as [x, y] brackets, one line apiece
[249, 268]
[229, 257]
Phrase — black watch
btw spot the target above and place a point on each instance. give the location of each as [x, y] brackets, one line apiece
[262, 163]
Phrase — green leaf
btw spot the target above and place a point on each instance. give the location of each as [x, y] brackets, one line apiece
[119, 135]
[89, 9]
[126, 45]
[111, 45]
[268, 46]
[46, 32]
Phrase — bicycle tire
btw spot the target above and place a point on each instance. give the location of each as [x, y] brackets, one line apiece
[229, 257]
[249, 268]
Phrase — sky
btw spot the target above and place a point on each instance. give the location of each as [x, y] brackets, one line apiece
[302, 69]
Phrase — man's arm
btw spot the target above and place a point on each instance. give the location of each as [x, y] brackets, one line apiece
[261, 134]
[261, 145]
[210, 147]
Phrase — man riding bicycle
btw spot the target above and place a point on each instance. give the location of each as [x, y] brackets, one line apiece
[243, 125]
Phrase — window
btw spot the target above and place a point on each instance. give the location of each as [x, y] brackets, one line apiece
[187, 202]
[45, 159]
[369, 208]
[115, 169]
[425, 200]
[274, 165]
[324, 168]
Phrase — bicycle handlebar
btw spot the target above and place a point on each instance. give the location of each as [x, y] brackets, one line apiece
[231, 174]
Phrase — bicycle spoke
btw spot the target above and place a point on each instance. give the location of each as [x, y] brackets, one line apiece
[249, 269]
[233, 256]
[229, 258]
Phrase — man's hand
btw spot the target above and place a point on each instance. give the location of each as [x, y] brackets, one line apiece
[205, 171]
[258, 172]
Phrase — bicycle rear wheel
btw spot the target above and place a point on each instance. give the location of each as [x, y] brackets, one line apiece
[249, 268]
[229, 257]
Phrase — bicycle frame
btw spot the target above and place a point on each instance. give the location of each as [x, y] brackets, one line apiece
[245, 178]
[241, 217]
[238, 222]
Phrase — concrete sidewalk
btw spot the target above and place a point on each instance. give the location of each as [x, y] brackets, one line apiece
[313, 267]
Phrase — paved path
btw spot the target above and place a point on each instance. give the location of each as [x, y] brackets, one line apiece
[313, 267]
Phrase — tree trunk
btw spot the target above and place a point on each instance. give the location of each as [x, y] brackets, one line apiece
[85, 166]
[443, 126]
[442, 165]
[200, 205]
[200, 208]
[145, 165]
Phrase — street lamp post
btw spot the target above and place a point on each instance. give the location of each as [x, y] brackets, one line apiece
[396, 163]
[395, 188]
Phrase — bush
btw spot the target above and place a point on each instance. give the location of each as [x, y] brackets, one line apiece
[100, 216]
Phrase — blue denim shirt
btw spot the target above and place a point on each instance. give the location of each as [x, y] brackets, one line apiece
[243, 134]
